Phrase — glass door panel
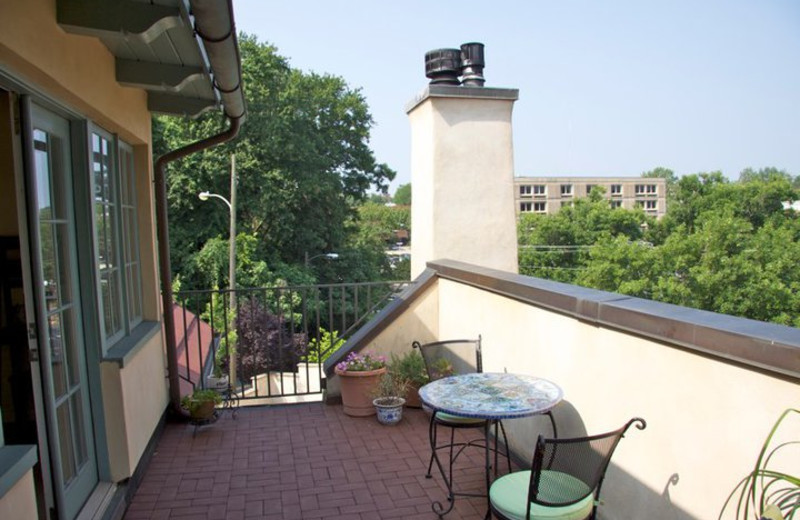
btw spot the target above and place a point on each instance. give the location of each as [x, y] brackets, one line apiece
[61, 339]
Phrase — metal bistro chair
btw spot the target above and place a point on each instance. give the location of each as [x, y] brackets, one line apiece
[564, 480]
[449, 358]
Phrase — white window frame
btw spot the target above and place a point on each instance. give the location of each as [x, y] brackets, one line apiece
[540, 190]
[525, 207]
[651, 205]
[119, 294]
[616, 190]
[566, 190]
[525, 190]
[540, 207]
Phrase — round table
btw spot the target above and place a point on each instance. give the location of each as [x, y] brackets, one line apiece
[489, 396]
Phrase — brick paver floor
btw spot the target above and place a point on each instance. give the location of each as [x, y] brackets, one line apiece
[303, 461]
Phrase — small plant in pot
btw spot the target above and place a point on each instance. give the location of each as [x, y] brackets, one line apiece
[389, 398]
[201, 403]
[218, 380]
[410, 367]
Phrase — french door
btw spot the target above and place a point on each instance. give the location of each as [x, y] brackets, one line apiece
[61, 341]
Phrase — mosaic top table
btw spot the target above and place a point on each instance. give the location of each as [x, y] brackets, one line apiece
[489, 396]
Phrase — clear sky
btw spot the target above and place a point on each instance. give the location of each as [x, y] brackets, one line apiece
[606, 87]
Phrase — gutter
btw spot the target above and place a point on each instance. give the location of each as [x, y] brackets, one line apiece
[215, 27]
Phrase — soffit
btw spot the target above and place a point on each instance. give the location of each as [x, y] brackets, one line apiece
[155, 46]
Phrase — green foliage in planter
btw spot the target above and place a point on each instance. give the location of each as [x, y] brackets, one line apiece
[409, 367]
[390, 385]
[765, 493]
[196, 399]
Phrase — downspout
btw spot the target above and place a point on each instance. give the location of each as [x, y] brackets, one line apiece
[164, 261]
[214, 26]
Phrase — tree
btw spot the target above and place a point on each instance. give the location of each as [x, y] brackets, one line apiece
[402, 196]
[668, 175]
[303, 164]
[724, 246]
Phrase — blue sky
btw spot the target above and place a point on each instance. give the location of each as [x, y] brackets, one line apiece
[606, 88]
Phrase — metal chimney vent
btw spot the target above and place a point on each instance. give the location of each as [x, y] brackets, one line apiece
[443, 66]
[472, 64]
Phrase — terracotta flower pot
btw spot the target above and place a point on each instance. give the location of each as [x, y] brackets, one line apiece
[412, 398]
[357, 389]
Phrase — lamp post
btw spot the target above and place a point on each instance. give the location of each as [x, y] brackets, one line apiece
[231, 258]
[329, 256]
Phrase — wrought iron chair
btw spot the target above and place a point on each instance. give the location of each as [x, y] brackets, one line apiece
[449, 358]
[564, 480]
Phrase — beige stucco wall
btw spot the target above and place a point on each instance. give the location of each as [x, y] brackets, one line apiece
[76, 71]
[19, 502]
[462, 173]
[134, 398]
[706, 419]
[419, 322]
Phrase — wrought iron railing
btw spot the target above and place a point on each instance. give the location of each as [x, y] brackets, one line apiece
[280, 335]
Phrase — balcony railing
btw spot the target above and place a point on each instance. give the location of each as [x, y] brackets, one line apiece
[279, 335]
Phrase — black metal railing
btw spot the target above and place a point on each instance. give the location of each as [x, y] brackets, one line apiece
[280, 336]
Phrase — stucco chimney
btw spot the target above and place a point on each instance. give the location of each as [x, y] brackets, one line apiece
[462, 170]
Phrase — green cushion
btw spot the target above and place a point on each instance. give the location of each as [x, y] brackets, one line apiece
[509, 495]
[449, 418]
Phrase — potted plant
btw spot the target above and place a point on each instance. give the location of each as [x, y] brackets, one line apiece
[358, 376]
[389, 398]
[218, 380]
[766, 493]
[201, 403]
[411, 368]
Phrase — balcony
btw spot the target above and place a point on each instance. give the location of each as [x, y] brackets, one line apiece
[709, 385]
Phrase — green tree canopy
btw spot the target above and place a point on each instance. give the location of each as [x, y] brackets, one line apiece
[402, 195]
[303, 164]
[723, 246]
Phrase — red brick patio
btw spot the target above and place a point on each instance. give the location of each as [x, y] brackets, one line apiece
[298, 462]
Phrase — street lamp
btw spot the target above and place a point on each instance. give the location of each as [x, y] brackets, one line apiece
[204, 195]
[329, 256]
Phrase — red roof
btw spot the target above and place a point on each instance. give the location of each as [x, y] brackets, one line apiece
[193, 339]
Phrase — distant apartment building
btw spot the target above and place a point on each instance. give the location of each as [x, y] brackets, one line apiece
[547, 195]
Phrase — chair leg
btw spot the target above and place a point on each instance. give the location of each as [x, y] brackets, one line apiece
[432, 437]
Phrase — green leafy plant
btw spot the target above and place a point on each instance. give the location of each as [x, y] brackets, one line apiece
[390, 386]
[767, 494]
[329, 342]
[196, 399]
[442, 368]
[410, 367]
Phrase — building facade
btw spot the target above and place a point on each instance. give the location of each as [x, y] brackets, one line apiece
[547, 195]
[83, 390]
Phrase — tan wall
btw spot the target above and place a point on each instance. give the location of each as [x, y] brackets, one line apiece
[77, 71]
[462, 171]
[134, 398]
[419, 322]
[706, 419]
[19, 502]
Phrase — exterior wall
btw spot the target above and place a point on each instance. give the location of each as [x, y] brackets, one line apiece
[76, 71]
[77, 74]
[462, 172]
[707, 417]
[420, 321]
[20, 501]
[134, 399]
[553, 200]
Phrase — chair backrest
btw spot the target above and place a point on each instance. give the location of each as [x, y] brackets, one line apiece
[558, 462]
[451, 357]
